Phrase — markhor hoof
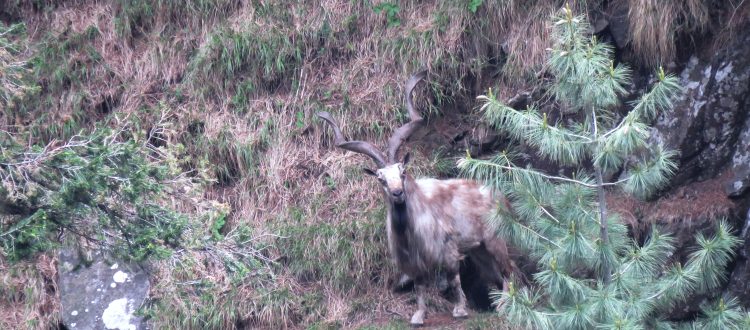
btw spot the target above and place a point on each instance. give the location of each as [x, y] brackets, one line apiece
[417, 319]
[459, 313]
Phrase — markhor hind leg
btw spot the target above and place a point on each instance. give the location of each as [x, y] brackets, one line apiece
[418, 317]
[459, 310]
[503, 262]
[504, 265]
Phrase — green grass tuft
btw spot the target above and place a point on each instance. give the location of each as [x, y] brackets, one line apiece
[347, 255]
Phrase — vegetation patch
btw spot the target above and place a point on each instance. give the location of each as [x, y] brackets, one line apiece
[182, 134]
[591, 274]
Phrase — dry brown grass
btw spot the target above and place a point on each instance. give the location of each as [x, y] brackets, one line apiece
[527, 39]
[689, 206]
[29, 298]
[297, 170]
[653, 30]
[656, 26]
[298, 181]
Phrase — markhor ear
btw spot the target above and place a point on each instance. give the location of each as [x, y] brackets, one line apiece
[369, 171]
[406, 158]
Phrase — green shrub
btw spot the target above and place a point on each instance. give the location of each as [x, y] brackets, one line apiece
[102, 188]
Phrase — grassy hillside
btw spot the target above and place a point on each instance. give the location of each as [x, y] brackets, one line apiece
[227, 92]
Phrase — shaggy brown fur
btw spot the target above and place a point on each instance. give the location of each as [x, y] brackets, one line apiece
[433, 224]
[436, 226]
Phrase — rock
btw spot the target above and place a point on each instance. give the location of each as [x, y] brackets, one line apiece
[102, 295]
[710, 118]
[619, 25]
[741, 162]
[740, 181]
[482, 141]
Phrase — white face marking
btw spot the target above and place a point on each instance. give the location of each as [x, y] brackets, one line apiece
[392, 179]
[390, 176]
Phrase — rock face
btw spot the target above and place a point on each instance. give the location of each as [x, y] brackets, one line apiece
[710, 123]
[710, 126]
[102, 295]
[741, 160]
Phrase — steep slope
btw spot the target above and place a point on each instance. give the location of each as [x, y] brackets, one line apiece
[231, 88]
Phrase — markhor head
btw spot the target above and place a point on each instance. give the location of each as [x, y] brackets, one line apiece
[390, 172]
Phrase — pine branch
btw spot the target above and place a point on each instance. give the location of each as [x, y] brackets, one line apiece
[505, 226]
[469, 165]
[674, 287]
[723, 314]
[518, 306]
[574, 317]
[659, 99]
[709, 261]
[605, 304]
[646, 262]
[562, 288]
[646, 177]
[551, 141]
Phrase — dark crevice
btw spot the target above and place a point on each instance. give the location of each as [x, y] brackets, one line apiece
[477, 291]
[107, 105]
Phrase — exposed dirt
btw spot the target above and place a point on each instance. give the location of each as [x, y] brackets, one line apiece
[439, 321]
[433, 321]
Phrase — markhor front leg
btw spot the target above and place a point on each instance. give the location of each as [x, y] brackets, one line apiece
[418, 318]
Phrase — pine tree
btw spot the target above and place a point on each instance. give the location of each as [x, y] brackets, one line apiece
[591, 274]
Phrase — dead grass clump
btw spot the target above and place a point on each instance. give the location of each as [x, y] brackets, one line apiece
[690, 206]
[15, 82]
[29, 297]
[252, 61]
[344, 255]
[652, 26]
[656, 26]
[212, 290]
[526, 40]
[735, 21]
[135, 18]
[221, 278]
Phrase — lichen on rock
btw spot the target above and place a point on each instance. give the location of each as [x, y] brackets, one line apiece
[101, 295]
